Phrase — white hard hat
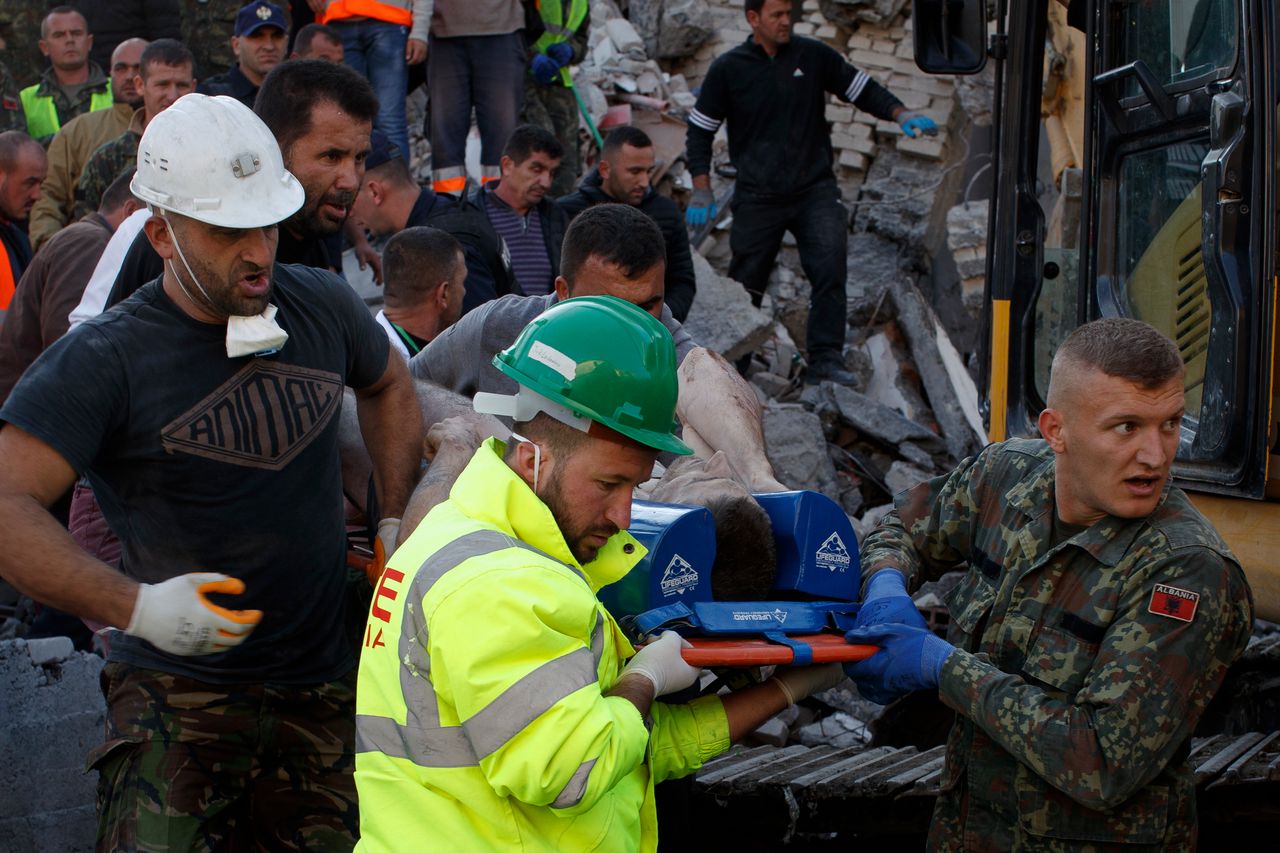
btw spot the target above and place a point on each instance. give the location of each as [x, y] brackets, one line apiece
[212, 159]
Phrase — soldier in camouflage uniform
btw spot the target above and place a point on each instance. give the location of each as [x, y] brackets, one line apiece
[11, 115]
[552, 105]
[207, 26]
[20, 33]
[164, 75]
[1097, 617]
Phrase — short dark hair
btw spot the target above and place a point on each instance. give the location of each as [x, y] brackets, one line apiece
[11, 144]
[118, 192]
[560, 438]
[625, 135]
[752, 6]
[302, 41]
[1122, 347]
[60, 10]
[170, 52]
[528, 138]
[394, 171]
[615, 233]
[416, 261]
[293, 88]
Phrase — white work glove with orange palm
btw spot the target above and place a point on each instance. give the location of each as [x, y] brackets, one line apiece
[176, 617]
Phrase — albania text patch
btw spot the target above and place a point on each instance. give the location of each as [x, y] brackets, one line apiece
[1173, 602]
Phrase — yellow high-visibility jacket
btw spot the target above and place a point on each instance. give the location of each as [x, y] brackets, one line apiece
[481, 719]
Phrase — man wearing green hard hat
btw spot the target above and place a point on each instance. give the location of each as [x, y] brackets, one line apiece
[499, 704]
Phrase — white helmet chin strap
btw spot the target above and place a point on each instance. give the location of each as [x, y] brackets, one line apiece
[174, 237]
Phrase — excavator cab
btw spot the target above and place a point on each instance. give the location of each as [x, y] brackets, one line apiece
[1135, 161]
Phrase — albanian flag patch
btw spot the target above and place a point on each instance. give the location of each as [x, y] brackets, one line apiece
[1173, 602]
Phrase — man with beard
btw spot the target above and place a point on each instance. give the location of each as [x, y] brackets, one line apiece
[80, 137]
[202, 411]
[1097, 617]
[322, 116]
[497, 707]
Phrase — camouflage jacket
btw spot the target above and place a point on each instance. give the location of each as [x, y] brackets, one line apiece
[1084, 664]
[11, 115]
[105, 165]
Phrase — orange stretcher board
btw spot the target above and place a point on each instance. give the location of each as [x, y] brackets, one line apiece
[827, 648]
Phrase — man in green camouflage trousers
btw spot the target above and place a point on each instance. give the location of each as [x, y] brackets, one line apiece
[1097, 617]
[285, 748]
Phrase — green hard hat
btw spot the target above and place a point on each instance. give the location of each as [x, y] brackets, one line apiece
[605, 360]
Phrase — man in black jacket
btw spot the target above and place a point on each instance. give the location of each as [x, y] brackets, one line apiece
[626, 165]
[772, 90]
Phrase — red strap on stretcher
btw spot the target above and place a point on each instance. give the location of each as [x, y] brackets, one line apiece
[827, 648]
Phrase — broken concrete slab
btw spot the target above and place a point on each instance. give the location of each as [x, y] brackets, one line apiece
[874, 264]
[839, 730]
[797, 448]
[891, 382]
[49, 801]
[952, 395]
[881, 422]
[722, 318]
[672, 29]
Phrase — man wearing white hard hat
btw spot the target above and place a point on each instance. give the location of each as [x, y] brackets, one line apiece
[202, 410]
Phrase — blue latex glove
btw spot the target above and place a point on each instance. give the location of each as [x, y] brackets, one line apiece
[887, 601]
[909, 659]
[544, 69]
[561, 52]
[701, 209]
[914, 125]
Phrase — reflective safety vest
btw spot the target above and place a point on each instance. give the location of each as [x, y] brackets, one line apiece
[392, 11]
[42, 113]
[481, 719]
[560, 24]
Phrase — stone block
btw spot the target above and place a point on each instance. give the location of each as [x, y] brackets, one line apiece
[839, 113]
[857, 41]
[624, 37]
[804, 28]
[853, 161]
[838, 731]
[722, 317]
[870, 59]
[797, 448]
[826, 32]
[49, 650]
[924, 147]
[902, 476]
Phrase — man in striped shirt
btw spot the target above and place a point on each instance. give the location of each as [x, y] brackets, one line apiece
[772, 91]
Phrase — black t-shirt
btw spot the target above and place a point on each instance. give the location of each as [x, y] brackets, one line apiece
[208, 463]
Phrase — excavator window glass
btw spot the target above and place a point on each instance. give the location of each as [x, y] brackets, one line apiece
[1179, 40]
[1159, 263]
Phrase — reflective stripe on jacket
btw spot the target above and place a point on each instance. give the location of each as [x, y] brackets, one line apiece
[481, 719]
[42, 113]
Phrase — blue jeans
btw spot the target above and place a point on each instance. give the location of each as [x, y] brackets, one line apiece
[486, 72]
[375, 49]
